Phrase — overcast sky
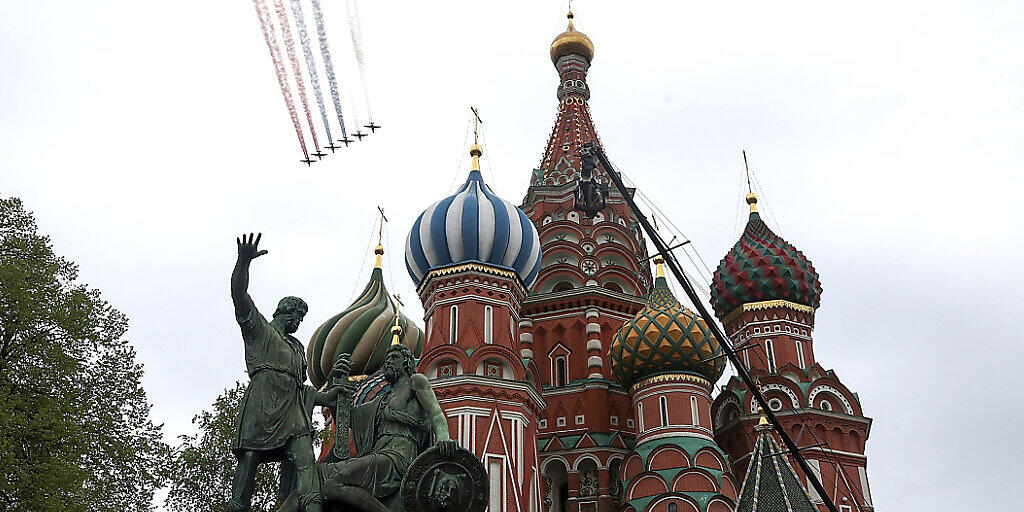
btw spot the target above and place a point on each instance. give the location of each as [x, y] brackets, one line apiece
[886, 136]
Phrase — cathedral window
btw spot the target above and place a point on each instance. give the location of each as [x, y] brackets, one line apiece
[488, 324]
[769, 349]
[775, 404]
[453, 325]
[663, 405]
[560, 421]
[694, 412]
[629, 422]
[640, 415]
[496, 476]
[543, 423]
[800, 353]
[561, 371]
[614, 420]
[825, 405]
[562, 286]
[579, 419]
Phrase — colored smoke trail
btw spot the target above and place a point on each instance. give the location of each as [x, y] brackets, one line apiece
[289, 44]
[282, 78]
[357, 44]
[318, 17]
[307, 52]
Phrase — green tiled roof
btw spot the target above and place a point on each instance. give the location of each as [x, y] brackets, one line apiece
[771, 485]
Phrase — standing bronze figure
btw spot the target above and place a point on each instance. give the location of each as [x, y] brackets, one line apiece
[274, 422]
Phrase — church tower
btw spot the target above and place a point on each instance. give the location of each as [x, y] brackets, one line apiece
[766, 293]
[668, 359]
[592, 278]
[473, 256]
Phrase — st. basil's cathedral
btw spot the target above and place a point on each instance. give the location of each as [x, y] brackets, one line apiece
[578, 378]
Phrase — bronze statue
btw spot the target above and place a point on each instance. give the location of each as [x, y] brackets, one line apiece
[389, 432]
[274, 422]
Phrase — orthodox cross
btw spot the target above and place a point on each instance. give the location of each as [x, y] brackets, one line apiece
[747, 167]
[476, 122]
[380, 230]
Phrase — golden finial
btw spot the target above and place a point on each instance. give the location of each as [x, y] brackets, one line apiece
[396, 330]
[752, 201]
[659, 268]
[475, 150]
[570, 20]
[764, 419]
[379, 250]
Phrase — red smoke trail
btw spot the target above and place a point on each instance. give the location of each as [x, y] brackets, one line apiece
[289, 45]
[282, 79]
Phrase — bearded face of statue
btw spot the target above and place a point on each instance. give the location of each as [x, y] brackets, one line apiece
[398, 363]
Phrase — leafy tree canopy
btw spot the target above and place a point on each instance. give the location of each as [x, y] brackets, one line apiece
[75, 427]
[203, 465]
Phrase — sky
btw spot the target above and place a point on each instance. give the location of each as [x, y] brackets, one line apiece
[886, 138]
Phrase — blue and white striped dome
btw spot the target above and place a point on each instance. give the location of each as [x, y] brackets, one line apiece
[473, 225]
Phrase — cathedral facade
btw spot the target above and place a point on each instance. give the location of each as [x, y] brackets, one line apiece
[563, 360]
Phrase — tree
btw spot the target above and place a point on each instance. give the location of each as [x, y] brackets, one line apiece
[203, 465]
[75, 427]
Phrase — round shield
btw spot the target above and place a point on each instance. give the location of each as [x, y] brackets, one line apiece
[445, 484]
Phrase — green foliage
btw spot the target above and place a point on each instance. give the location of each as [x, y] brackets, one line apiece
[203, 465]
[75, 432]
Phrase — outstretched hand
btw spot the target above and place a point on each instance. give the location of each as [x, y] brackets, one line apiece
[248, 247]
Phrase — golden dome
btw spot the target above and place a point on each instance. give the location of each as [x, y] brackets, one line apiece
[571, 41]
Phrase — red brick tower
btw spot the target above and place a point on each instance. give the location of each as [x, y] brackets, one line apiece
[472, 256]
[766, 293]
[593, 278]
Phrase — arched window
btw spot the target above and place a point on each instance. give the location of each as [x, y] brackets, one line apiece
[769, 350]
[563, 286]
[800, 354]
[694, 412]
[640, 416]
[561, 371]
[488, 324]
[453, 325]
[613, 287]
[430, 327]
[663, 404]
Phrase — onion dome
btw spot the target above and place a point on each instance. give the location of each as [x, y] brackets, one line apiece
[572, 41]
[473, 225]
[763, 267]
[363, 330]
[664, 337]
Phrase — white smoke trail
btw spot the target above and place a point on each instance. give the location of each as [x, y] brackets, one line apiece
[307, 52]
[270, 37]
[318, 18]
[355, 27]
[289, 44]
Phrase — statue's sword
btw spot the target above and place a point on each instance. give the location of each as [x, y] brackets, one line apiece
[341, 413]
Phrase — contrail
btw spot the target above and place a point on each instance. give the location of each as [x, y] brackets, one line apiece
[307, 52]
[289, 44]
[357, 43]
[318, 17]
[270, 37]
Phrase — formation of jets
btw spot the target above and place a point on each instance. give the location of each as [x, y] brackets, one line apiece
[373, 127]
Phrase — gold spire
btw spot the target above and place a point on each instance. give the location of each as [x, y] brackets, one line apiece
[396, 330]
[475, 150]
[659, 268]
[764, 419]
[571, 41]
[379, 251]
[752, 201]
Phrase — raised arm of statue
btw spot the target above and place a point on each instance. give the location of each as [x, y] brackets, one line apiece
[248, 250]
[435, 416]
